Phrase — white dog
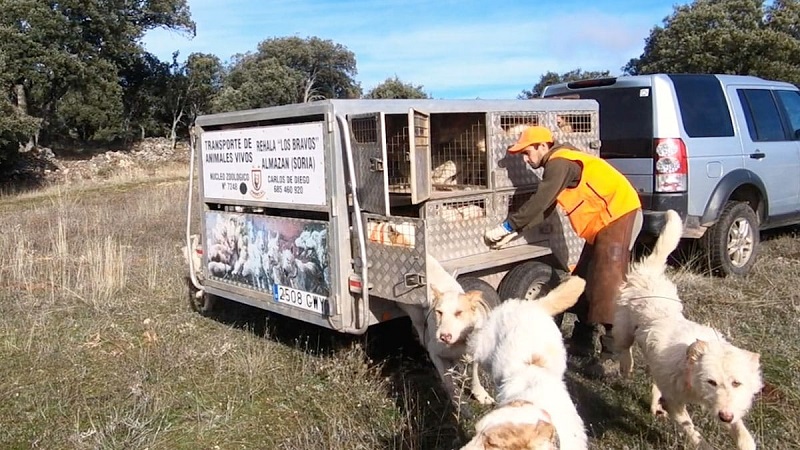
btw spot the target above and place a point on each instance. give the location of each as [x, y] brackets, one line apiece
[523, 349]
[689, 362]
[444, 325]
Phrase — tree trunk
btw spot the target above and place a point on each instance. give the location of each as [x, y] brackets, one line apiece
[22, 108]
[173, 135]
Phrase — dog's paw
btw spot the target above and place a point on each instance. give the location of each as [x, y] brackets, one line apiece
[657, 409]
[483, 398]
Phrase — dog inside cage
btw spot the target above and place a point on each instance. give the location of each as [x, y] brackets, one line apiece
[512, 125]
[574, 123]
[458, 152]
[461, 210]
[397, 234]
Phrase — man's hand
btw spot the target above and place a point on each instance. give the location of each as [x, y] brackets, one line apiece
[499, 235]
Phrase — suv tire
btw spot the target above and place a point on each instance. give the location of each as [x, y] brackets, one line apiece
[731, 243]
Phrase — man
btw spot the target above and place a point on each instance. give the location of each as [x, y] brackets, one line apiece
[604, 209]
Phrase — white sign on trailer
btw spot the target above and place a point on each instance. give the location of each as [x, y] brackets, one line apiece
[276, 164]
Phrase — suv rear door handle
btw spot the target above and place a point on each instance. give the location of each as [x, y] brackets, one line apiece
[757, 155]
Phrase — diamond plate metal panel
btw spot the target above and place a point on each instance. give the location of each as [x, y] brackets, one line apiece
[456, 226]
[555, 233]
[388, 264]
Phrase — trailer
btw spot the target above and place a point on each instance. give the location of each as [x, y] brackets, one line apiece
[325, 211]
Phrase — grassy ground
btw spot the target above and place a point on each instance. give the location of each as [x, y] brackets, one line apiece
[100, 350]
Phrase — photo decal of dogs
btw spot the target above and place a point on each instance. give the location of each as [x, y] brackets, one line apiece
[690, 363]
[523, 350]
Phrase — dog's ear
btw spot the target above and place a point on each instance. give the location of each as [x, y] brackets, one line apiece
[474, 297]
[437, 294]
[696, 350]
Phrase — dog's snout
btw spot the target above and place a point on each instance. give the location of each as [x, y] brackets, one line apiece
[726, 416]
[445, 337]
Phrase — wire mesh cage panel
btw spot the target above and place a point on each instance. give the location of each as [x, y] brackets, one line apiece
[364, 129]
[398, 154]
[458, 156]
[577, 128]
[457, 152]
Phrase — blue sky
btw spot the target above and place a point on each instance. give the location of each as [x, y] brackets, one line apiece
[455, 49]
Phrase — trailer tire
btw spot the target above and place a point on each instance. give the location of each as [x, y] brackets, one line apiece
[490, 295]
[529, 281]
[204, 304]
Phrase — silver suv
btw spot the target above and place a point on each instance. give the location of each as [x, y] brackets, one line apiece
[722, 150]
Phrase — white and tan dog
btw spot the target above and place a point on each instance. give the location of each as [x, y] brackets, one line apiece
[444, 325]
[524, 351]
[690, 363]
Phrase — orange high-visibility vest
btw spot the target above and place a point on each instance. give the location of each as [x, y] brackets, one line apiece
[602, 196]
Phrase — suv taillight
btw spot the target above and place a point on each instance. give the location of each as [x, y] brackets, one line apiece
[671, 165]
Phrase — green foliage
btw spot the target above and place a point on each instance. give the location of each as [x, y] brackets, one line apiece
[394, 88]
[289, 70]
[743, 37]
[64, 57]
[553, 78]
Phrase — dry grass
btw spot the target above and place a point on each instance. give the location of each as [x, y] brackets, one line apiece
[99, 349]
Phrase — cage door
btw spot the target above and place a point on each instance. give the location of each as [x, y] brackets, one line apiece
[419, 126]
[368, 138]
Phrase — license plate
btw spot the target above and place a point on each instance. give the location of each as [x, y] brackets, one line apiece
[300, 299]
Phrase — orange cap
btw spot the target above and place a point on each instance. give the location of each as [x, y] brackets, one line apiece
[531, 135]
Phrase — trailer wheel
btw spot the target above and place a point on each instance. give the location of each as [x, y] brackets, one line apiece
[201, 303]
[490, 295]
[529, 281]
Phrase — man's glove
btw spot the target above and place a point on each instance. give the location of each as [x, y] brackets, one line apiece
[499, 235]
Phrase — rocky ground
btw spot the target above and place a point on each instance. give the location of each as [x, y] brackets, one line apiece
[41, 166]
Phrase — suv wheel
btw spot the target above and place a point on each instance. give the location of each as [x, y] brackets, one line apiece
[732, 242]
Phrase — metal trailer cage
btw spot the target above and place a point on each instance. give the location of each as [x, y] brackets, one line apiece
[325, 211]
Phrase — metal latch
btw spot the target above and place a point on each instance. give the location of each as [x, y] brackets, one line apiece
[376, 165]
[412, 280]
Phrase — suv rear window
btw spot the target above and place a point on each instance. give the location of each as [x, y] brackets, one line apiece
[703, 107]
[763, 119]
[626, 120]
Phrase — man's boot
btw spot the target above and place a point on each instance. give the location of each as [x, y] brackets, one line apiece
[585, 340]
[603, 364]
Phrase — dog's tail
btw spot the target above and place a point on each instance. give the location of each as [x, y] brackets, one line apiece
[563, 296]
[667, 241]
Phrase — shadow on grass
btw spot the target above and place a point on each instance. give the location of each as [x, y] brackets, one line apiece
[430, 421]
[612, 406]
